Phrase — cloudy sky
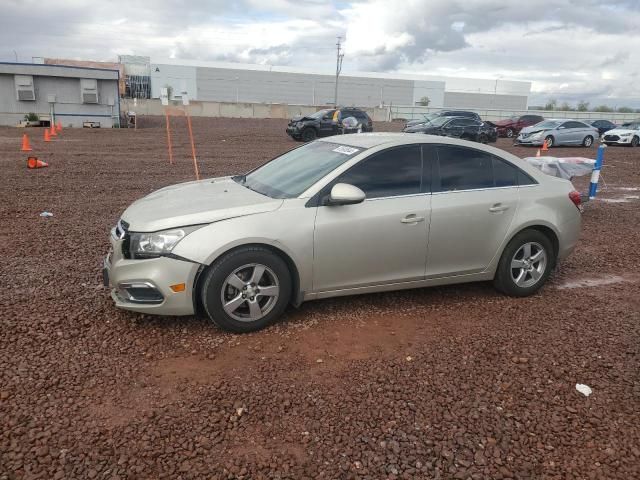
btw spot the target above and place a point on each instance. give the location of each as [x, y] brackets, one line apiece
[571, 50]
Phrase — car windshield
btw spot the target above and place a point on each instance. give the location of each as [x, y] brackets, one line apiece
[319, 114]
[547, 125]
[632, 125]
[429, 117]
[288, 175]
[438, 122]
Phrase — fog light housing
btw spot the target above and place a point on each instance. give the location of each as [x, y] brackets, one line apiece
[139, 292]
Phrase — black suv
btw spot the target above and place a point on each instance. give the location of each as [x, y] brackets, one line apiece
[408, 127]
[325, 123]
[461, 127]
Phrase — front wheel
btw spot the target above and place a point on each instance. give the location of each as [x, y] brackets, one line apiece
[246, 289]
[588, 141]
[525, 264]
[550, 140]
[510, 132]
[635, 141]
[309, 134]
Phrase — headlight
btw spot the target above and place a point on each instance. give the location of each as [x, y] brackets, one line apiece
[155, 244]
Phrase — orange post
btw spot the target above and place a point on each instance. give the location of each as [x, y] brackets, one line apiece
[25, 143]
[193, 147]
[169, 146]
[59, 126]
[47, 137]
[52, 130]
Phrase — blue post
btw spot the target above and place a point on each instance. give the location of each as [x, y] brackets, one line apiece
[595, 174]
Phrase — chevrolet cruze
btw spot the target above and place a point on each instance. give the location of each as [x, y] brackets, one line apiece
[340, 216]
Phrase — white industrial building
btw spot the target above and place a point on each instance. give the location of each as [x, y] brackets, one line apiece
[234, 82]
[74, 95]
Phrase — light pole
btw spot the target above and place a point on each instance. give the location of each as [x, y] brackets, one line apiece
[339, 58]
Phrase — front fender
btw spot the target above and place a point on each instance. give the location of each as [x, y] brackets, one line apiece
[289, 229]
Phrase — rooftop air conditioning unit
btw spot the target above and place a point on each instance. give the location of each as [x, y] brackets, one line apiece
[24, 88]
[89, 90]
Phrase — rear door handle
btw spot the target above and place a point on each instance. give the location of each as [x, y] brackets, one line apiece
[498, 208]
[412, 218]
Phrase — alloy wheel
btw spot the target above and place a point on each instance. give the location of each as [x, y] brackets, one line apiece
[250, 292]
[528, 264]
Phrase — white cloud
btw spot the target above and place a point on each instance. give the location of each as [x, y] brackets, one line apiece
[571, 49]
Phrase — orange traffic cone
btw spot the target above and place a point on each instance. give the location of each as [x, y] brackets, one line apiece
[33, 162]
[538, 153]
[47, 138]
[59, 126]
[544, 146]
[25, 143]
[52, 131]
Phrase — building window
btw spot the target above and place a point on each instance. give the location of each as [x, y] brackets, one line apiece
[89, 90]
[24, 88]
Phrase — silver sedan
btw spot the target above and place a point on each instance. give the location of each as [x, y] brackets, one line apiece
[559, 132]
[346, 215]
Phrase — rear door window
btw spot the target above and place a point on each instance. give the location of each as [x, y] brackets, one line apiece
[461, 168]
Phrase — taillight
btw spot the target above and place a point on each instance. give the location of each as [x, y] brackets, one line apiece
[576, 198]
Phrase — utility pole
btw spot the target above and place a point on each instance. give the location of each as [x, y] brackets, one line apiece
[339, 58]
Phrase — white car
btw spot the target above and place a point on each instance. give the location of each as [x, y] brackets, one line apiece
[628, 134]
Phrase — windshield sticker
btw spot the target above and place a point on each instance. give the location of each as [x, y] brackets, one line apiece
[346, 150]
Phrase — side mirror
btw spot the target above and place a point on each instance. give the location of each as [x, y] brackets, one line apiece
[345, 194]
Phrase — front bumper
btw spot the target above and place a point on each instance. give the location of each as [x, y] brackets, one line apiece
[616, 141]
[293, 132]
[144, 285]
[528, 141]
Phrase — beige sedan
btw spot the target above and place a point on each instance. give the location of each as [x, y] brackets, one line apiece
[341, 216]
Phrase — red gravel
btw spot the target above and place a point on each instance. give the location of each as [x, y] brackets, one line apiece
[454, 382]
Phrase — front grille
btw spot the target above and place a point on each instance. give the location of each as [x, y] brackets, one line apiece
[611, 138]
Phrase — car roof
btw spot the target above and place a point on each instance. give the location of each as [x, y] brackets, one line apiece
[374, 139]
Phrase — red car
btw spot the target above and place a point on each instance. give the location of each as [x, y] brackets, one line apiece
[511, 126]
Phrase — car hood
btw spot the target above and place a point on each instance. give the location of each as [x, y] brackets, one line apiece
[503, 123]
[621, 131]
[193, 203]
[412, 123]
[532, 129]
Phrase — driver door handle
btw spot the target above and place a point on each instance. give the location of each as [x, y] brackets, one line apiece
[412, 218]
[498, 207]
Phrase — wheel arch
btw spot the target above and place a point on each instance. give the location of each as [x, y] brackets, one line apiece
[546, 230]
[296, 294]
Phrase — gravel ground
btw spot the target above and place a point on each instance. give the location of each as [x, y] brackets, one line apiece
[454, 382]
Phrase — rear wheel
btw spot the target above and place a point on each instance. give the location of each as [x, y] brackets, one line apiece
[550, 141]
[525, 264]
[309, 134]
[635, 141]
[246, 289]
[588, 141]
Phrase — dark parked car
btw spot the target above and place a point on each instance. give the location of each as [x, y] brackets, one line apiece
[511, 126]
[325, 123]
[603, 125]
[459, 127]
[444, 113]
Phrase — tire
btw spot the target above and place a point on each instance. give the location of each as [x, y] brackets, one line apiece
[483, 139]
[588, 141]
[526, 280]
[635, 141]
[225, 280]
[510, 133]
[550, 141]
[309, 134]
